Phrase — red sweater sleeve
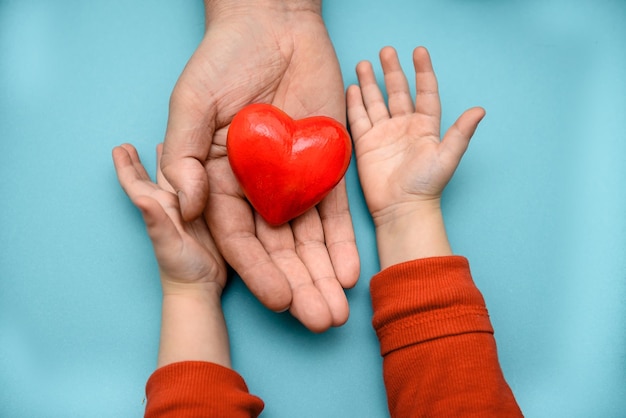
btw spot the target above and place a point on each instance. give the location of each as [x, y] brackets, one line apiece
[199, 389]
[439, 353]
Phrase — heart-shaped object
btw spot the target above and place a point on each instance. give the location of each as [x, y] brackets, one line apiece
[286, 166]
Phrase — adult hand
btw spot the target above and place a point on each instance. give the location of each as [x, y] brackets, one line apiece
[278, 52]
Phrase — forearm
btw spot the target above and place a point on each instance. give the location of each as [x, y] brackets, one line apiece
[440, 356]
[194, 375]
[453, 376]
[193, 326]
[418, 232]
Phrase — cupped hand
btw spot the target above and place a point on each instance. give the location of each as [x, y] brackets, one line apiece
[185, 251]
[280, 55]
[402, 162]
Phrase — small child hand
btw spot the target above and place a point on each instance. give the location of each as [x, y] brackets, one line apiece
[403, 165]
[185, 251]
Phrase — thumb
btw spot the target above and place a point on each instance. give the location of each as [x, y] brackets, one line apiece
[457, 138]
[188, 138]
[188, 178]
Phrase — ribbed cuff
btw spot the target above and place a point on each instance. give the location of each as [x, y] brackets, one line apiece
[425, 299]
[198, 388]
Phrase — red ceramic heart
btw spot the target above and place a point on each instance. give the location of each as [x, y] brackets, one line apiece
[286, 166]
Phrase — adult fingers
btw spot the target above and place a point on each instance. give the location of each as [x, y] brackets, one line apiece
[308, 303]
[334, 212]
[311, 248]
[190, 127]
[232, 225]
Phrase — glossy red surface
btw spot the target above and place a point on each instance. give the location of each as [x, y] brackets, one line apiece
[286, 166]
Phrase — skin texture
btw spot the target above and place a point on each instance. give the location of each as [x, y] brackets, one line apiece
[403, 162]
[403, 167]
[277, 52]
[193, 273]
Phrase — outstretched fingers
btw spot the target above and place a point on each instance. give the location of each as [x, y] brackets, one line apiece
[358, 118]
[372, 96]
[137, 184]
[427, 101]
[231, 222]
[308, 304]
[398, 94]
[334, 212]
[325, 243]
[130, 171]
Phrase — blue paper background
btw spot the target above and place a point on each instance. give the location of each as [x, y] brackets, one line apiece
[538, 204]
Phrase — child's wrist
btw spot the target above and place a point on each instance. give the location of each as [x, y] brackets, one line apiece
[172, 287]
[412, 232]
[192, 325]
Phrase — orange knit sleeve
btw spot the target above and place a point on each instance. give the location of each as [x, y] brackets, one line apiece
[199, 389]
[439, 353]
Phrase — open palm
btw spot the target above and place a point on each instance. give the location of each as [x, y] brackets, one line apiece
[400, 157]
[249, 58]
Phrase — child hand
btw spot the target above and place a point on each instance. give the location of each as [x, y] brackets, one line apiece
[185, 251]
[403, 165]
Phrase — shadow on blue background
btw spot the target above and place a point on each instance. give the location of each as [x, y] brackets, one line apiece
[537, 205]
